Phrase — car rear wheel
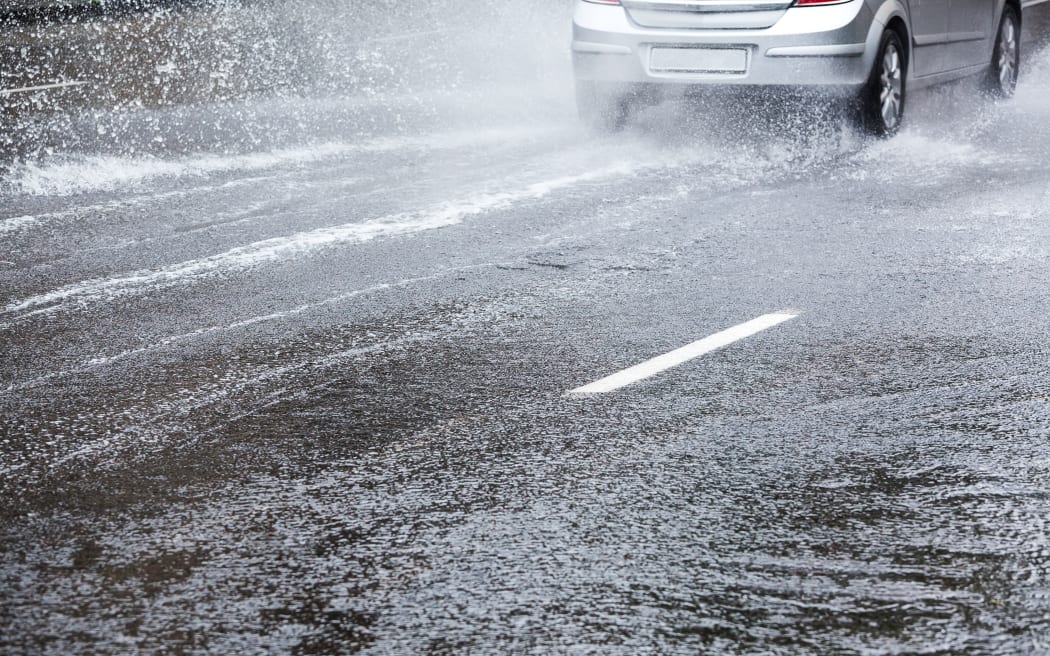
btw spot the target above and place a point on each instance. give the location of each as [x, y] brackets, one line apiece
[1006, 57]
[601, 108]
[882, 100]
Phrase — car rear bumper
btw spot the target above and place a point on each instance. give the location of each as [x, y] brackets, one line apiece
[809, 46]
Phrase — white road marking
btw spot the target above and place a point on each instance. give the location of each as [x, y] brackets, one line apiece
[42, 87]
[667, 361]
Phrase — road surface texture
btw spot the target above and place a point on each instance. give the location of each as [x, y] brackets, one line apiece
[292, 373]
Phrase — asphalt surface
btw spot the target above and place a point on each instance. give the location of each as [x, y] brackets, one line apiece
[311, 397]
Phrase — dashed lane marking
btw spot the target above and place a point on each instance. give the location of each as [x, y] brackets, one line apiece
[680, 356]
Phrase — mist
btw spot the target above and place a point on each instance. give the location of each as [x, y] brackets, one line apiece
[234, 76]
[228, 85]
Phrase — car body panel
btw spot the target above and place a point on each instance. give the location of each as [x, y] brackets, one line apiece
[970, 31]
[792, 40]
[707, 14]
[929, 33]
[831, 46]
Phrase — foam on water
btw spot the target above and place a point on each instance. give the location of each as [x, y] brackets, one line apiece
[920, 159]
[16, 224]
[98, 173]
[302, 244]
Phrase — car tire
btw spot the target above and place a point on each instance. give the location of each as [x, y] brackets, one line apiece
[1006, 56]
[881, 103]
[600, 108]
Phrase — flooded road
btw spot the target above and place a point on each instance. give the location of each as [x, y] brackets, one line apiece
[290, 374]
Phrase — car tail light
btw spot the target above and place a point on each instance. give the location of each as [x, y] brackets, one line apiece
[814, 3]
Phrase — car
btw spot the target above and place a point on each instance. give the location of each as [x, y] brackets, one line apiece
[871, 52]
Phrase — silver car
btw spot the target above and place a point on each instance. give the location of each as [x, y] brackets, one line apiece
[872, 51]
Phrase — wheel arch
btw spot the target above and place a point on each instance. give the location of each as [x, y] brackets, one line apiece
[890, 15]
[898, 25]
[1016, 5]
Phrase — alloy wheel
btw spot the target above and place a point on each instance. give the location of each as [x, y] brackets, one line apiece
[1009, 50]
[891, 87]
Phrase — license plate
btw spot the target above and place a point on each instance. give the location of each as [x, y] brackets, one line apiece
[698, 60]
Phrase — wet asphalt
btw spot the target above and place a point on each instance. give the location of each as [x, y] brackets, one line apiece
[311, 398]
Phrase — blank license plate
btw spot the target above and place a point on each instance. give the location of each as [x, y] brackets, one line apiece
[698, 60]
